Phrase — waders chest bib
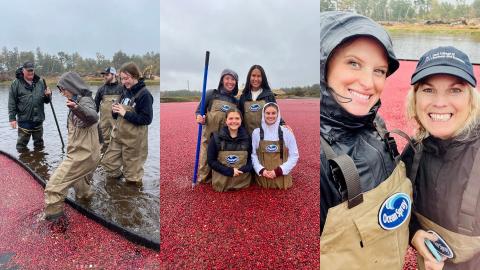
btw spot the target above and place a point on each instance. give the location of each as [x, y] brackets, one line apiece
[215, 119]
[464, 247]
[106, 119]
[269, 156]
[352, 237]
[253, 114]
[232, 159]
[131, 141]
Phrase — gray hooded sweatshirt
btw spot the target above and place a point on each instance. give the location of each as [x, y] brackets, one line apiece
[85, 114]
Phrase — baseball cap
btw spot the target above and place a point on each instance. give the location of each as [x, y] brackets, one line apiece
[444, 60]
[108, 70]
[28, 65]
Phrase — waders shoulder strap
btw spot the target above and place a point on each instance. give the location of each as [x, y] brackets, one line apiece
[390, 143]
[280, 141]
[218, 142]
[344, 170]
[466, 220]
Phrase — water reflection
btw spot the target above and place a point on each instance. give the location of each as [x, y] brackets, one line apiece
[413, 45]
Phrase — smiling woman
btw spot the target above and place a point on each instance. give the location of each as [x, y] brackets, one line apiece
[358, 172]
[229, 154]
[444, 104]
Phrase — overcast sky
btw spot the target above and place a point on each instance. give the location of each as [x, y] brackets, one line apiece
[86, 26]
[280, 35]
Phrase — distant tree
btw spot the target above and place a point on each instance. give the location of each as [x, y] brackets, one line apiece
[328, 5]
[119, 58]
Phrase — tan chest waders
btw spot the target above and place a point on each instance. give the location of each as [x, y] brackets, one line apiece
[370, 229]
[128, 147]
[232, 159]
[253, 114]
[215, 119]
[106, 120]
[464, 247]
[83, 154]
[272, 154]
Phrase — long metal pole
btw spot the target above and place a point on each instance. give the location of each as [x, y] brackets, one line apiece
[202, 112]
[55, 117]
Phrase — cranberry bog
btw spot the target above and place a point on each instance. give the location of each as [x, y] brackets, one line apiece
[27, 242]
[252, 228]
[393, 112]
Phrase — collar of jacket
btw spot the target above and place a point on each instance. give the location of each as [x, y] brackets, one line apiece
[335, 121]
[265, 92]
[449, 149]
[137, 87]
[225, 134]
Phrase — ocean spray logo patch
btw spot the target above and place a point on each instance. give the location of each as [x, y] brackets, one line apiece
[255, 107]
[271, 148]
[441, 246]
[394, 211]
[225, 108]
[232, 159]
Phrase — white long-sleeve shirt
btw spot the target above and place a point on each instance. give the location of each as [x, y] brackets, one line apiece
[289, 142]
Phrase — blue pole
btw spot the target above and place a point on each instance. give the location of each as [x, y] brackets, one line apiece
[202, 112]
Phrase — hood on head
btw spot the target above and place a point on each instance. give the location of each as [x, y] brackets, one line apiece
[277, 121]
[336, 27]
[234, 75]
[72, 82]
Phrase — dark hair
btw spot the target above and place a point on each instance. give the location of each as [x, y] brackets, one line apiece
[132, 69]
[234, 110]
[264, 85]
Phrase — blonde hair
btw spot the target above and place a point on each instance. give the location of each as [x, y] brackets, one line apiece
[462, 133]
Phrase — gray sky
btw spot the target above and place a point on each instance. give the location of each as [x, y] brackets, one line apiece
[86, 26]
[280, 35]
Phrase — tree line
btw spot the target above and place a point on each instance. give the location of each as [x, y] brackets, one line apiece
[406, 10]
[55, 64]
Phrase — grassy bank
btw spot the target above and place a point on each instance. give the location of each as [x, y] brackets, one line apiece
[437, 29]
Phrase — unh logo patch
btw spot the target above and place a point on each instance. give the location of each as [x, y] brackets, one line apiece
[232, 159]
[271, 148]
[394, 211]
[255, 107]
[225, 108]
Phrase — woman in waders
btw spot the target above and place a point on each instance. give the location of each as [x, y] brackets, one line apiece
[217, 103]
[83, 149]
[229, 154]
[274, 150]
[128, 147]
[445, 106]
[365, 198]
[255, 95]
